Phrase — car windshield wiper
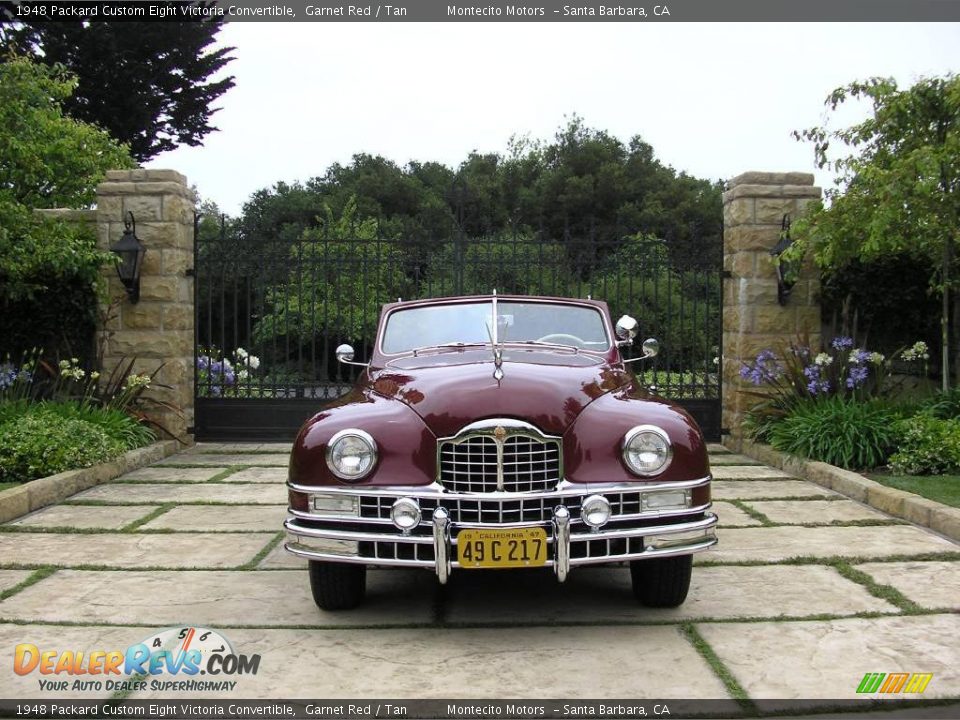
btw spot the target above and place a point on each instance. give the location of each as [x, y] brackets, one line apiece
[537, 343]
[446, 346]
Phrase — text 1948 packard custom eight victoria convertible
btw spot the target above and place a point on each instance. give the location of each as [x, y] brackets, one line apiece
[499, 432]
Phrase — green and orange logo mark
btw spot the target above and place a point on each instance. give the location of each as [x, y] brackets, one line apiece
[891, 683]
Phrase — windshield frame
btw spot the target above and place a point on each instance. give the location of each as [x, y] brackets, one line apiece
[594, 305]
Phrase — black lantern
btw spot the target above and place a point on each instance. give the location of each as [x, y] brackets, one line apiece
[786, 269]
[130, 251]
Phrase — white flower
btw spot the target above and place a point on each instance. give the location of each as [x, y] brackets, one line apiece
[241, 353]
[716, 360]
[876, 358]
[253, 361]
[823, 359]
[243, 374]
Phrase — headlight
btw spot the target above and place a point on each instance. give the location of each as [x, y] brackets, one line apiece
[646, 450]
[351, 454]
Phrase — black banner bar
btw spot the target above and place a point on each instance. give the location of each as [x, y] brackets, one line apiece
[180, 709]
[485, 10]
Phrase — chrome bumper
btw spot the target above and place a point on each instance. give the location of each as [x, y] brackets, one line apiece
[375, 541]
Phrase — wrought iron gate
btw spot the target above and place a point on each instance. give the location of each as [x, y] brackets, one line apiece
[270, 311]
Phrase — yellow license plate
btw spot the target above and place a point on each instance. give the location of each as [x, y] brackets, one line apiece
[522, 547]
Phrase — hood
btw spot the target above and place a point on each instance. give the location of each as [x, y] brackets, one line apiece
[452, 389]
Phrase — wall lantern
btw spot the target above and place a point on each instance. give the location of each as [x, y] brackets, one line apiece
[786, 269]
[130, 251]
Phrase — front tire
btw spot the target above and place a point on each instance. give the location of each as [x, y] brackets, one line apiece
[337, 586]
[662, 582]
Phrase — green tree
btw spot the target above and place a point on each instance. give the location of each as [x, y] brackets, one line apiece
[898, 183]
[147, 83]
[341, 273]
[48, 268]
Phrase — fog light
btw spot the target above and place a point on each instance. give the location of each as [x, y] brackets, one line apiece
[405, 514]
[595, 511]
[666, 499]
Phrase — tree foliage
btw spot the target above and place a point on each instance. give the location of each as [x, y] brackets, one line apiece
[147, 83]
[48, 268]
[898, 181]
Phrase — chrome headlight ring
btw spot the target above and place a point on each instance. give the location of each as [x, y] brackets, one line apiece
[351, 454]
[647, 450]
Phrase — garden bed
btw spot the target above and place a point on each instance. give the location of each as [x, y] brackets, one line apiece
[35, 494]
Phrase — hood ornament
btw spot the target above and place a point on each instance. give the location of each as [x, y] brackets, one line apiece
[500, 433]
[492, 331]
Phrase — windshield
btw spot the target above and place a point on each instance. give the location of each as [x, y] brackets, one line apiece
[517, 322]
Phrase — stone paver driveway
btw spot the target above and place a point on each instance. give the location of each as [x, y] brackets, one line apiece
[807, 592]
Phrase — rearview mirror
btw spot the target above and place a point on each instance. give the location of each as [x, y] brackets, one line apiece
[651, 346]
[344, 354]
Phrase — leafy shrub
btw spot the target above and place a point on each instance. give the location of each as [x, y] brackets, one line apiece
[944, 405]
[118, 425]
[38, 444]
[838, 431]
[928, 445]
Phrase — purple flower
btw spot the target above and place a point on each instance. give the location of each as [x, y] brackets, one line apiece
[842, 343]
[857, 376]
[764, 369]
[860, 357]
[203, 362]
[812, 372]
[816, 387]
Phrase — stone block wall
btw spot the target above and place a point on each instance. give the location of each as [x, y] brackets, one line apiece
[753, 209]
[159, 329]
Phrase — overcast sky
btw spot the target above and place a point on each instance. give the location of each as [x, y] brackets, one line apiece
[713, 100]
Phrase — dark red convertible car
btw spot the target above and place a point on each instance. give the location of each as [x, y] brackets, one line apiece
[493, 433]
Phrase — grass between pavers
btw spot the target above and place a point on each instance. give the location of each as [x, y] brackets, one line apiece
[719, 668]
[274, 541]
[940, 488]
[216, 479]
[878, 590]
[153, 514]
[496, 624]
[258, 558]
[752, 512]
[38, 575]
[194, 466]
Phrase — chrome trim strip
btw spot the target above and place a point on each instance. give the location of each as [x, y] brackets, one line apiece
[339, 518]
[565, 488]
[710, 521]
[303, 551]
[292, 527]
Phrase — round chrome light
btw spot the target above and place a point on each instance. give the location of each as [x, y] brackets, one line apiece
[595, 511]
[351, 454]
[647, 450]
[405, 514]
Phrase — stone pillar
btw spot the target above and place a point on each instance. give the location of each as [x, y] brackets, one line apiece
[159, 328]
[753, 320]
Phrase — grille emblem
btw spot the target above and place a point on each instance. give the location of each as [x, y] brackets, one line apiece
[500, 433]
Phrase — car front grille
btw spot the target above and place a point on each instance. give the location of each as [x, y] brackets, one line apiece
[471, 510]
[475, 464]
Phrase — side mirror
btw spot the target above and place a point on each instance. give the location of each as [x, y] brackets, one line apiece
[344, 354]
[627, 328]
[650, 348]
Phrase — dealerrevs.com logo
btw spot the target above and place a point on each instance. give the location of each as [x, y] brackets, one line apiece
[168, 660]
